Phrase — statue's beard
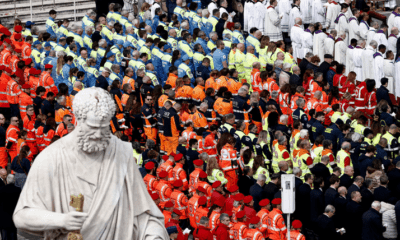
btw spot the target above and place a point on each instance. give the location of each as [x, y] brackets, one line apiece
[90, 144]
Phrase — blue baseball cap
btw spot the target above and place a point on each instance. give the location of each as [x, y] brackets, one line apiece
[47, 44]
[186, 57]
[172, 229]
[29, 23]
[36, 42]
[120, 42]
[110, 54]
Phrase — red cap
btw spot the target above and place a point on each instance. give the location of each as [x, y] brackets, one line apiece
[7, 40]
[201, 189]
[229, 213]
[155, 196]
[7, 32]
[165, 157]
[149, 165]
[17, 36]
[2, 68]
[18, 28]
[8, 70]
[238, 197]
[37, 71]
[178, 183]
[176, 211]
[276, 201]
[198, 162]
[216, 184]
[202, 174]
[168, 204]
[202, 200]
[48, 66]
[26, 86]
[240, 214]
[3, 29]
[28, 61]
[254, 220]
[233, 188]
[264, 202]
[173, 154]
[163, 174]
[247, 199]
[230, 25]
[297, 224]
[18, 50]
[220, 201]
[178, 156]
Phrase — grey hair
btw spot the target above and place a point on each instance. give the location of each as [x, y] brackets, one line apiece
[204, 220]
[329, 209]
[212, 34]
[333, 32]
[303, 133]
[360, 41]
[309, 55]
[375, 24]
[341, 33]
[201, 33]
[228, 36]
[102, 42]
[297, 20]
[203, 155]
[287, 66]
[356, 137]
[184, 24]
[242, 90]
[135, 21]
[261, 177]
[376, 204]
[296, 170]
[114, 66]
[124, 12]
[274, 94]
[60, 99]
[373, 43]
[283, 118]
[325, 158]
[150, 143]
[346, 146]
[88, 28]
[10, 179]
[204, 12]
[282, 140]
[237, 25]
[223, 216]
[300, 101]
[203, 104]
[278, 63]
[92, 14]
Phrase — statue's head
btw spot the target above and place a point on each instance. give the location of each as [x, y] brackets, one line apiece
[93, 109]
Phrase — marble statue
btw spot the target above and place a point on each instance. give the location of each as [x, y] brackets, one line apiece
[92, 162]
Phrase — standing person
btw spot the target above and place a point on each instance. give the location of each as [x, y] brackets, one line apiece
[272, 23]
[295, 232]
[3, 151]
[294, 13]
[354, 216]
[12, 137]
[257, 191]
[277, 229]
[9, 196]
[297, 32]
[372, 223]
[325, 225]
[21, 166]
[221, 231]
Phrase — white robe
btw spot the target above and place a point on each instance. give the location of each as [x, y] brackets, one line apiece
[390, 22]
[368, 63]
[318, 13]
[223, 10]
[297, 35]
[343, 25]
[378, 69]
[396, 22]
[116, 199]
[153, 9]
[340, 52]
[245, 16]
[305, 9]
[349, 60]
[397, 77]
[318, 47]
[358, 63]
[392, 41]
[259, 16]
[284, 10]
[329, 45]
[211, 8]
[390, 4]
[272, 25]
[364, 28]
[307, 42]
[370, 35]
[388, 70]
[354, 29]
[380, 38]
[294, 13]
[252, 17]
[332, 12]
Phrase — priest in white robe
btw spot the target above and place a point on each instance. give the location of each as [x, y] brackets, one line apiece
[284, 7]
[318, 41]
[332, 11]
[318, 13]
[297, 42]
[354, 26]
[396, 21]
[397, 77]
[349, 13]
[368, 60]
[259, 12]
[364, 26]
[390, 20]
[390, 4]
[357, 59]
[349, 57]
[93, 162]
[380, 36]
[392, 40]
[222, 9]
[305, 10]
[378, 65]
[272, 23]
[372, 31]
[293, 14]
[342, 23]
[246, 15]
[340, 48]
[388, 70]
[307, 40]
[329, 42]
[253, 14]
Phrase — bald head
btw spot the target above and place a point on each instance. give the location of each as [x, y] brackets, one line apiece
[3, 173]
[394, 30]
[342, 191]
[240, 46]
[179, 2]
[250, 49]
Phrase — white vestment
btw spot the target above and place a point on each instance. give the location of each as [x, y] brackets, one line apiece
[297, 35]
[153, 9]
[307, 42]
[390, 4]
[259, 13]
[211, 8]
[318, 13]
[378, 69]
[380, 38]
[293, 14]
[329, 45]
[364, 28]
[397, 77]
[390, 22]
[305, 9]
[392, 41]
[245, 16]
[340, 51]
[388, 70]
[354, 29]
[115, 199]
[343, 25]
[349, 60]
[370, 35]
[284, 10]
[368, 63]
[252, 17]
[272, 25]
[318, 47]
[349, 13]
[223, 10]
[396, 22]
[332, 11]
[358, 63]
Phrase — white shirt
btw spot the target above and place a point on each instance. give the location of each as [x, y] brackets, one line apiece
[153, 9]
[211, 8]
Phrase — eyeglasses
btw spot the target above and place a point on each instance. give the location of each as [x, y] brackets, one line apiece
[69, 120]
[149, 99]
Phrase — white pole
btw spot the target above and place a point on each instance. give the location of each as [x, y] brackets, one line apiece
[75, 11]
[31, 11]
[288, 227]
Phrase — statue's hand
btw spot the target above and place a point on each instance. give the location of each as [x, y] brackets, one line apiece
[74, 220]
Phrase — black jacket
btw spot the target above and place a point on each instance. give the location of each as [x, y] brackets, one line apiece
[219, 28]
[324, 68]
[345, 181]
[303, 67]
[330, 196]
[353, 220]
[271, 188]
[367, 199]
[101, 82]
[295, 80]
[351, 189]
[326, 228]
[303, 200]
[340, 214]
[383, 194]
[244, 183]
[320, 170]
[258, 194]
[317, 205]
[394, 181]
[9, 196]
[372, 227]
[383, 93]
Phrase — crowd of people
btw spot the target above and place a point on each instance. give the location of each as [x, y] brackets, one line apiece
[219, 105]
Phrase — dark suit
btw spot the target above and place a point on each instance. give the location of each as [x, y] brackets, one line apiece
[345, 181]
[340, 215]
[394, 181]
[303, 67]
[351, 189]
[330, 196]
[324, 68]
[244, 183]
[297, 183]
[326, 228]
[273, 102]
[397, 212]
[258, 194]
[367, 199]
[9, 196]
[353, 224]
[2, 184]
[303, 201]
[383, 93]
[372, 227]
[317, 205]
[295, 80]
[320, 170]
[271, 188]
[383, 194]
